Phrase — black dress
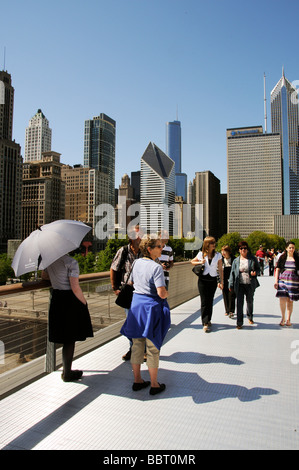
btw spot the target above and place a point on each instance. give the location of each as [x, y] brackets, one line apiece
[69, 319]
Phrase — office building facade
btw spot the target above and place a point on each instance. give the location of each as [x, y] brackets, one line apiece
[157, 190]
[285, 121]
[43, 195]
[38, 137]
[10, 167]
[254, 180]
[99, 149]
[85, 190]
[206, 192]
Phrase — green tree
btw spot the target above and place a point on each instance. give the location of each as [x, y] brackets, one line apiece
[6, 270]
[231, 239]
[104, 258]
[257, 238]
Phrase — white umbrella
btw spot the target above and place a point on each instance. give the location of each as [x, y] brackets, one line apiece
[47, 244]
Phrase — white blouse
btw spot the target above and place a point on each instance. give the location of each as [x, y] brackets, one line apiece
[212, 268]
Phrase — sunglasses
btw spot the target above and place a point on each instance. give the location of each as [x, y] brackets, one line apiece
[244, 248]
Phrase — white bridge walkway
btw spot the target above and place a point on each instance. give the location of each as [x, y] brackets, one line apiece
[228, 389]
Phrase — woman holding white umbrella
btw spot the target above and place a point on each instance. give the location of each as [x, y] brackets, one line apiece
[46, 248]
[69, 319]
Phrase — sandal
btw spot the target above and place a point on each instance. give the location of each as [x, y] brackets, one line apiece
[288, 323]
[282, 323]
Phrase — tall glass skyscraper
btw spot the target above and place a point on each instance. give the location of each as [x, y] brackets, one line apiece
[173, 143]
[156, 190]
[99, 149]
[285, 121]
[174, 151]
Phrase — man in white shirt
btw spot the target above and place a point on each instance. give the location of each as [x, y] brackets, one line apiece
[166, 258]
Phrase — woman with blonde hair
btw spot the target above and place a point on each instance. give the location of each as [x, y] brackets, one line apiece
[207, 282]
[148, 319]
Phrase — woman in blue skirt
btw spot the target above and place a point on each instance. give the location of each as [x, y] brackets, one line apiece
[287, 282]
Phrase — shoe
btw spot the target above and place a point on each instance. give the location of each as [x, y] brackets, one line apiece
[206, 329]
[72, 376]
[251, 322]
[288, 323]
[145, 357]
[282, 323]
[139, 386]
[231, 315]
[155, 390]
[239, 327]
[127, 356]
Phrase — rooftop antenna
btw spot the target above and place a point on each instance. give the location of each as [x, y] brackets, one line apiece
[4, 58]
[265, 104]
[177, 113]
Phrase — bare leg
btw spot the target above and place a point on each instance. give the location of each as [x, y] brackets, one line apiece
[153, 372]
[289, 311]
[136, 372]
[283, 303]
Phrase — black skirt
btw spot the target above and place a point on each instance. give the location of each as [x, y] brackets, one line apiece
[69, 318]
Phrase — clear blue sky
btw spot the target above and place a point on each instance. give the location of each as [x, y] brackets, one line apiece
[138, 61]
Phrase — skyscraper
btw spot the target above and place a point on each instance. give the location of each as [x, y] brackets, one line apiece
[174, 151]
[99, 149]
[157, 190]
[285, 121]
[43, 195]
[174, 144]
[10, 167]
[38, 137]
[254, 180]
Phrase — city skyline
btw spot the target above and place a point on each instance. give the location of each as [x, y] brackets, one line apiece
[203, 65]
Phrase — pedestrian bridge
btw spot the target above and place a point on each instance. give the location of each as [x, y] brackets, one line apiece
[227, 389]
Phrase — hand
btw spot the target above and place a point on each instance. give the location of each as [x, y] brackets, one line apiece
[116, 292]
[276, 285]
[220, 285]
[253, 273]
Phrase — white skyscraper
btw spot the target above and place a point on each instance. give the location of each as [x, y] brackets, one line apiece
[157, 190]
[38, 137]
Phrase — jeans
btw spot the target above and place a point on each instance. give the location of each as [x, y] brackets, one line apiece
[245, 290]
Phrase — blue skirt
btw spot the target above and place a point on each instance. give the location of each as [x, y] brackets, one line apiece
[148, 317]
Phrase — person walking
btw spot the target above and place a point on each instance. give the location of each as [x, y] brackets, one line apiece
[207, 282]
[261, 255]
[148, 318]
[287, 282]
[243, 280]
[121, 267]
[69, 319]
[229, 297]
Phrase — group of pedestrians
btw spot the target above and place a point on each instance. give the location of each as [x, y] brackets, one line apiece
[145, 263]
[238, 279]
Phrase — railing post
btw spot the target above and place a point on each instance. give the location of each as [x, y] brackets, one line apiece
[51, 350]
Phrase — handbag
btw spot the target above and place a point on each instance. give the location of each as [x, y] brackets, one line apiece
[198, 269]
[124, 298]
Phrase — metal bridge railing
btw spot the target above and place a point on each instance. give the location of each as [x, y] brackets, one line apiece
[25, 352]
